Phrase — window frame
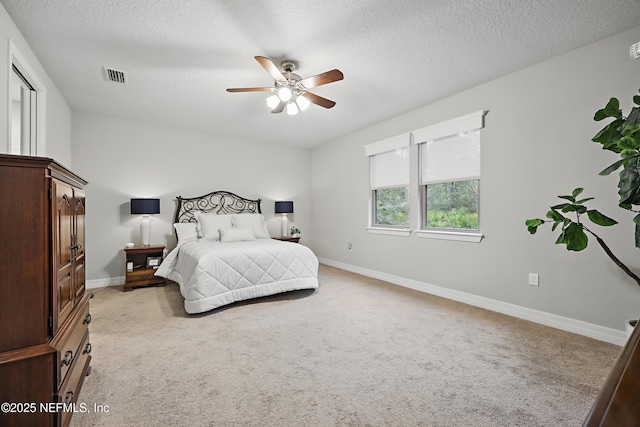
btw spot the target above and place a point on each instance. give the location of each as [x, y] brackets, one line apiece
[388, 145]
[467, 123]
[37, 108]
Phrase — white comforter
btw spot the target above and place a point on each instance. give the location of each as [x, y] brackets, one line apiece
[213, 274]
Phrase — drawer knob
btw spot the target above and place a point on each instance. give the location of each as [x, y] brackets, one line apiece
[68, 398]
[87, 349]
[68, 358]
[87, 319]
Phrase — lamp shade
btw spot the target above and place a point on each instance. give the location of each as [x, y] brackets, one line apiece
[284, 207]
[145, 206]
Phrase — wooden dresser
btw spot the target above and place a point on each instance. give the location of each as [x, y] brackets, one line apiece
[44, 310]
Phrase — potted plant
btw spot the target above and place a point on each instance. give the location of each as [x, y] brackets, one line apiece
[295, 231]
[621, 136]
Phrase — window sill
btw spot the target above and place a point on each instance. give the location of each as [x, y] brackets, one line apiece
[459, 236]
[390, 231]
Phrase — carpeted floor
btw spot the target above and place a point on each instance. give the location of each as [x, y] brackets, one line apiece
[356, 352]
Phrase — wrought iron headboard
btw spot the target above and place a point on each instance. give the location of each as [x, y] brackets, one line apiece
[220, 202]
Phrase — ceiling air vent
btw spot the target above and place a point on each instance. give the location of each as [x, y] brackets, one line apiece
[115, 75]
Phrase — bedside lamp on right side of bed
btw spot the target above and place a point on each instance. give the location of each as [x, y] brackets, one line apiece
[284, 207]
[145, 207]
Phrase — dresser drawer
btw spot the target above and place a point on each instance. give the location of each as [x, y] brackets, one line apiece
[70, 388]
[68, 341]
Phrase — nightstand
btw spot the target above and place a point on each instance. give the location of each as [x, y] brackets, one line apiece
[140, 263]
[288, 239]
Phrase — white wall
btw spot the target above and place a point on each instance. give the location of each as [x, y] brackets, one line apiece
[535, 145]
[122, 159]
[57, 132]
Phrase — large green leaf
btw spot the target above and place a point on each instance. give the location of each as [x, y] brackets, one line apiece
[575, 237]
[629, 183]
[532, 224]
[574, 208]
[629, 143]
[636, 99]
[609, 136]
[630, 127]
[614, 167]
[612, 109]
[555, 215]
[600, 219]
[584, 200]
[634, 117]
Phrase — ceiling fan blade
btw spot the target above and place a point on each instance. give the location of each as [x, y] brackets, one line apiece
[271, 68]
[250, 89]
[322, 79]
[318, 100]
[279, 108]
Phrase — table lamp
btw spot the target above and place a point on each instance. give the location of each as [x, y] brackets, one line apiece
[145, 207]
[284, 208]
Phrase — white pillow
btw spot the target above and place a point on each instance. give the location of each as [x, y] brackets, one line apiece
[186, 231]
[211, 223]
[236, 234]
[253, 221]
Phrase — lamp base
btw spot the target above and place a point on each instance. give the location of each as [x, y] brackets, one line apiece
[285, 225]
[145, 230]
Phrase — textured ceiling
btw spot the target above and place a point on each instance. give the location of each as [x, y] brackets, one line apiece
[396, 55]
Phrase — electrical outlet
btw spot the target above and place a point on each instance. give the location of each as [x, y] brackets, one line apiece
[350, 247]
[533, 279]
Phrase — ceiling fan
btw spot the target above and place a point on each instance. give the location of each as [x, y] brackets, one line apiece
[290, 90]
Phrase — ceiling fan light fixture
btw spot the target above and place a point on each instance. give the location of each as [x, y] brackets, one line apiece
[292, 108]
[303, 103]
[289, 90]
[273, 101]
[284, 93]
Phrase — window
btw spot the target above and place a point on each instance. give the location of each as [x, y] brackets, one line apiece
[389, 168]
[390, 185]
[23, 114]
[26, 108]
[450, 177]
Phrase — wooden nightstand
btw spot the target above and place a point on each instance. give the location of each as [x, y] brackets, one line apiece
[288, 239]
[140, 263]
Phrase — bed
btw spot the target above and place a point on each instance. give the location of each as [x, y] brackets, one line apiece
[224, 254]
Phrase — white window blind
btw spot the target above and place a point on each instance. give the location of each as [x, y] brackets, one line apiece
[450, 150]
[389, 161]
[390, 169]
[454, 158]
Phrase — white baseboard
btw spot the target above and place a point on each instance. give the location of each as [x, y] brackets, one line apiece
[590, 330]
[103, 283]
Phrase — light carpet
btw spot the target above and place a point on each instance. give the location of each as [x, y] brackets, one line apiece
[356, 352]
